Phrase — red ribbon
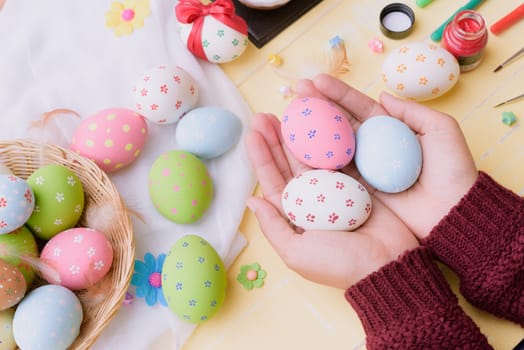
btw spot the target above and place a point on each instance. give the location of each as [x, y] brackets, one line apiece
[193, 11]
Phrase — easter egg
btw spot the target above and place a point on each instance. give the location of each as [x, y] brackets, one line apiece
[163, 94]
[112, 138]
[18, 248]
[16, 202]
[389, 155]
[7, 341]
[59, 200]
[12, 285]
[208, 132]
[212, 33]
[194, 279]
[420, 71]
[48, 318]
[318, 133]
[321, 199]
[78, 258]
[180, 186]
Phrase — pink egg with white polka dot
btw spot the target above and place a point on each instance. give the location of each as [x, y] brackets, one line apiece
[163, 94]
[76, 258]
[112, 138]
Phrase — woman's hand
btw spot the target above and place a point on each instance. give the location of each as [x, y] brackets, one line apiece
[448, 169]
[335, 258]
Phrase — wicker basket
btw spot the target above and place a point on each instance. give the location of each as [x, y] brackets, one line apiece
[23, 157]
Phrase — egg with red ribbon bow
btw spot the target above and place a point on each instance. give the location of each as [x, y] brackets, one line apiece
[214, 31]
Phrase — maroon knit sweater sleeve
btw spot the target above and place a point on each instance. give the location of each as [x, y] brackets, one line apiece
[408, 305]
[482, 240]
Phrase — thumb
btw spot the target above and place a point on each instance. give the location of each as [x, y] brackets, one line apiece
[273, 225]
[418, 117]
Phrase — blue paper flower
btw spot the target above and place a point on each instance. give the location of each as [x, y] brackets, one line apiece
[147, 279]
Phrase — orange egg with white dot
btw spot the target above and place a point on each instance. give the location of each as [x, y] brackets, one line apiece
[112, 138]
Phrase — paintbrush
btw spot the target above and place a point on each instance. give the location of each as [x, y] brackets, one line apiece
[510, 100]
[514, 56]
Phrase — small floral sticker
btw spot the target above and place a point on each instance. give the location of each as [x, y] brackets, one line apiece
[251, 276]
[147, 278]
[126, 16]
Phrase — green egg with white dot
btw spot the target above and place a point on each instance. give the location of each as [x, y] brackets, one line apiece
[59, 200]
[180, 186]
[194, 279]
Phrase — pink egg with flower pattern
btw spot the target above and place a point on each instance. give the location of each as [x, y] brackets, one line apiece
[321, 199]
[76, 258]
[164, 94]
[318, 133]
[112, 138]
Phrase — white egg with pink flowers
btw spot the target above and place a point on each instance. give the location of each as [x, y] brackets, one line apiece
[164, 93]
[321, 199]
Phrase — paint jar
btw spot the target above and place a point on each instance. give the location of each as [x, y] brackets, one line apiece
[465, 37]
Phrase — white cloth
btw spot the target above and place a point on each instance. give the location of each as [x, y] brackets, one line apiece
[59, 54]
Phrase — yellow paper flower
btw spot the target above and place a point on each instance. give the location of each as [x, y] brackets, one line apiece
[126, 16]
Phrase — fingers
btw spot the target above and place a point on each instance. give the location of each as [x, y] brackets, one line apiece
[418, 117]
[274, 226]
[269, 176]
[306, 88]
[268, 127]
[355, 102]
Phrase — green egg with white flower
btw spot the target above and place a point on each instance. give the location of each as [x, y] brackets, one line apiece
[194, 279]
[59, 200]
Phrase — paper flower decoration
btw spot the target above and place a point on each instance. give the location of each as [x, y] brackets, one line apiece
[147, 279]
[509, 118]
[251, 276]
[126, 16]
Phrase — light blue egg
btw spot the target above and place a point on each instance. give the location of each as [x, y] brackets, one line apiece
[388, 154]
[48, 318]
[17, 202]
[208, 132]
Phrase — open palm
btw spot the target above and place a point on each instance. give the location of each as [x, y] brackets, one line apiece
[335, 258]
[448, 170]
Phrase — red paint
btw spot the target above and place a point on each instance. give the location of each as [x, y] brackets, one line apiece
[469, 25]
[465, 38]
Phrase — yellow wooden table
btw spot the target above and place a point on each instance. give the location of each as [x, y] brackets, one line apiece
[290, 312]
